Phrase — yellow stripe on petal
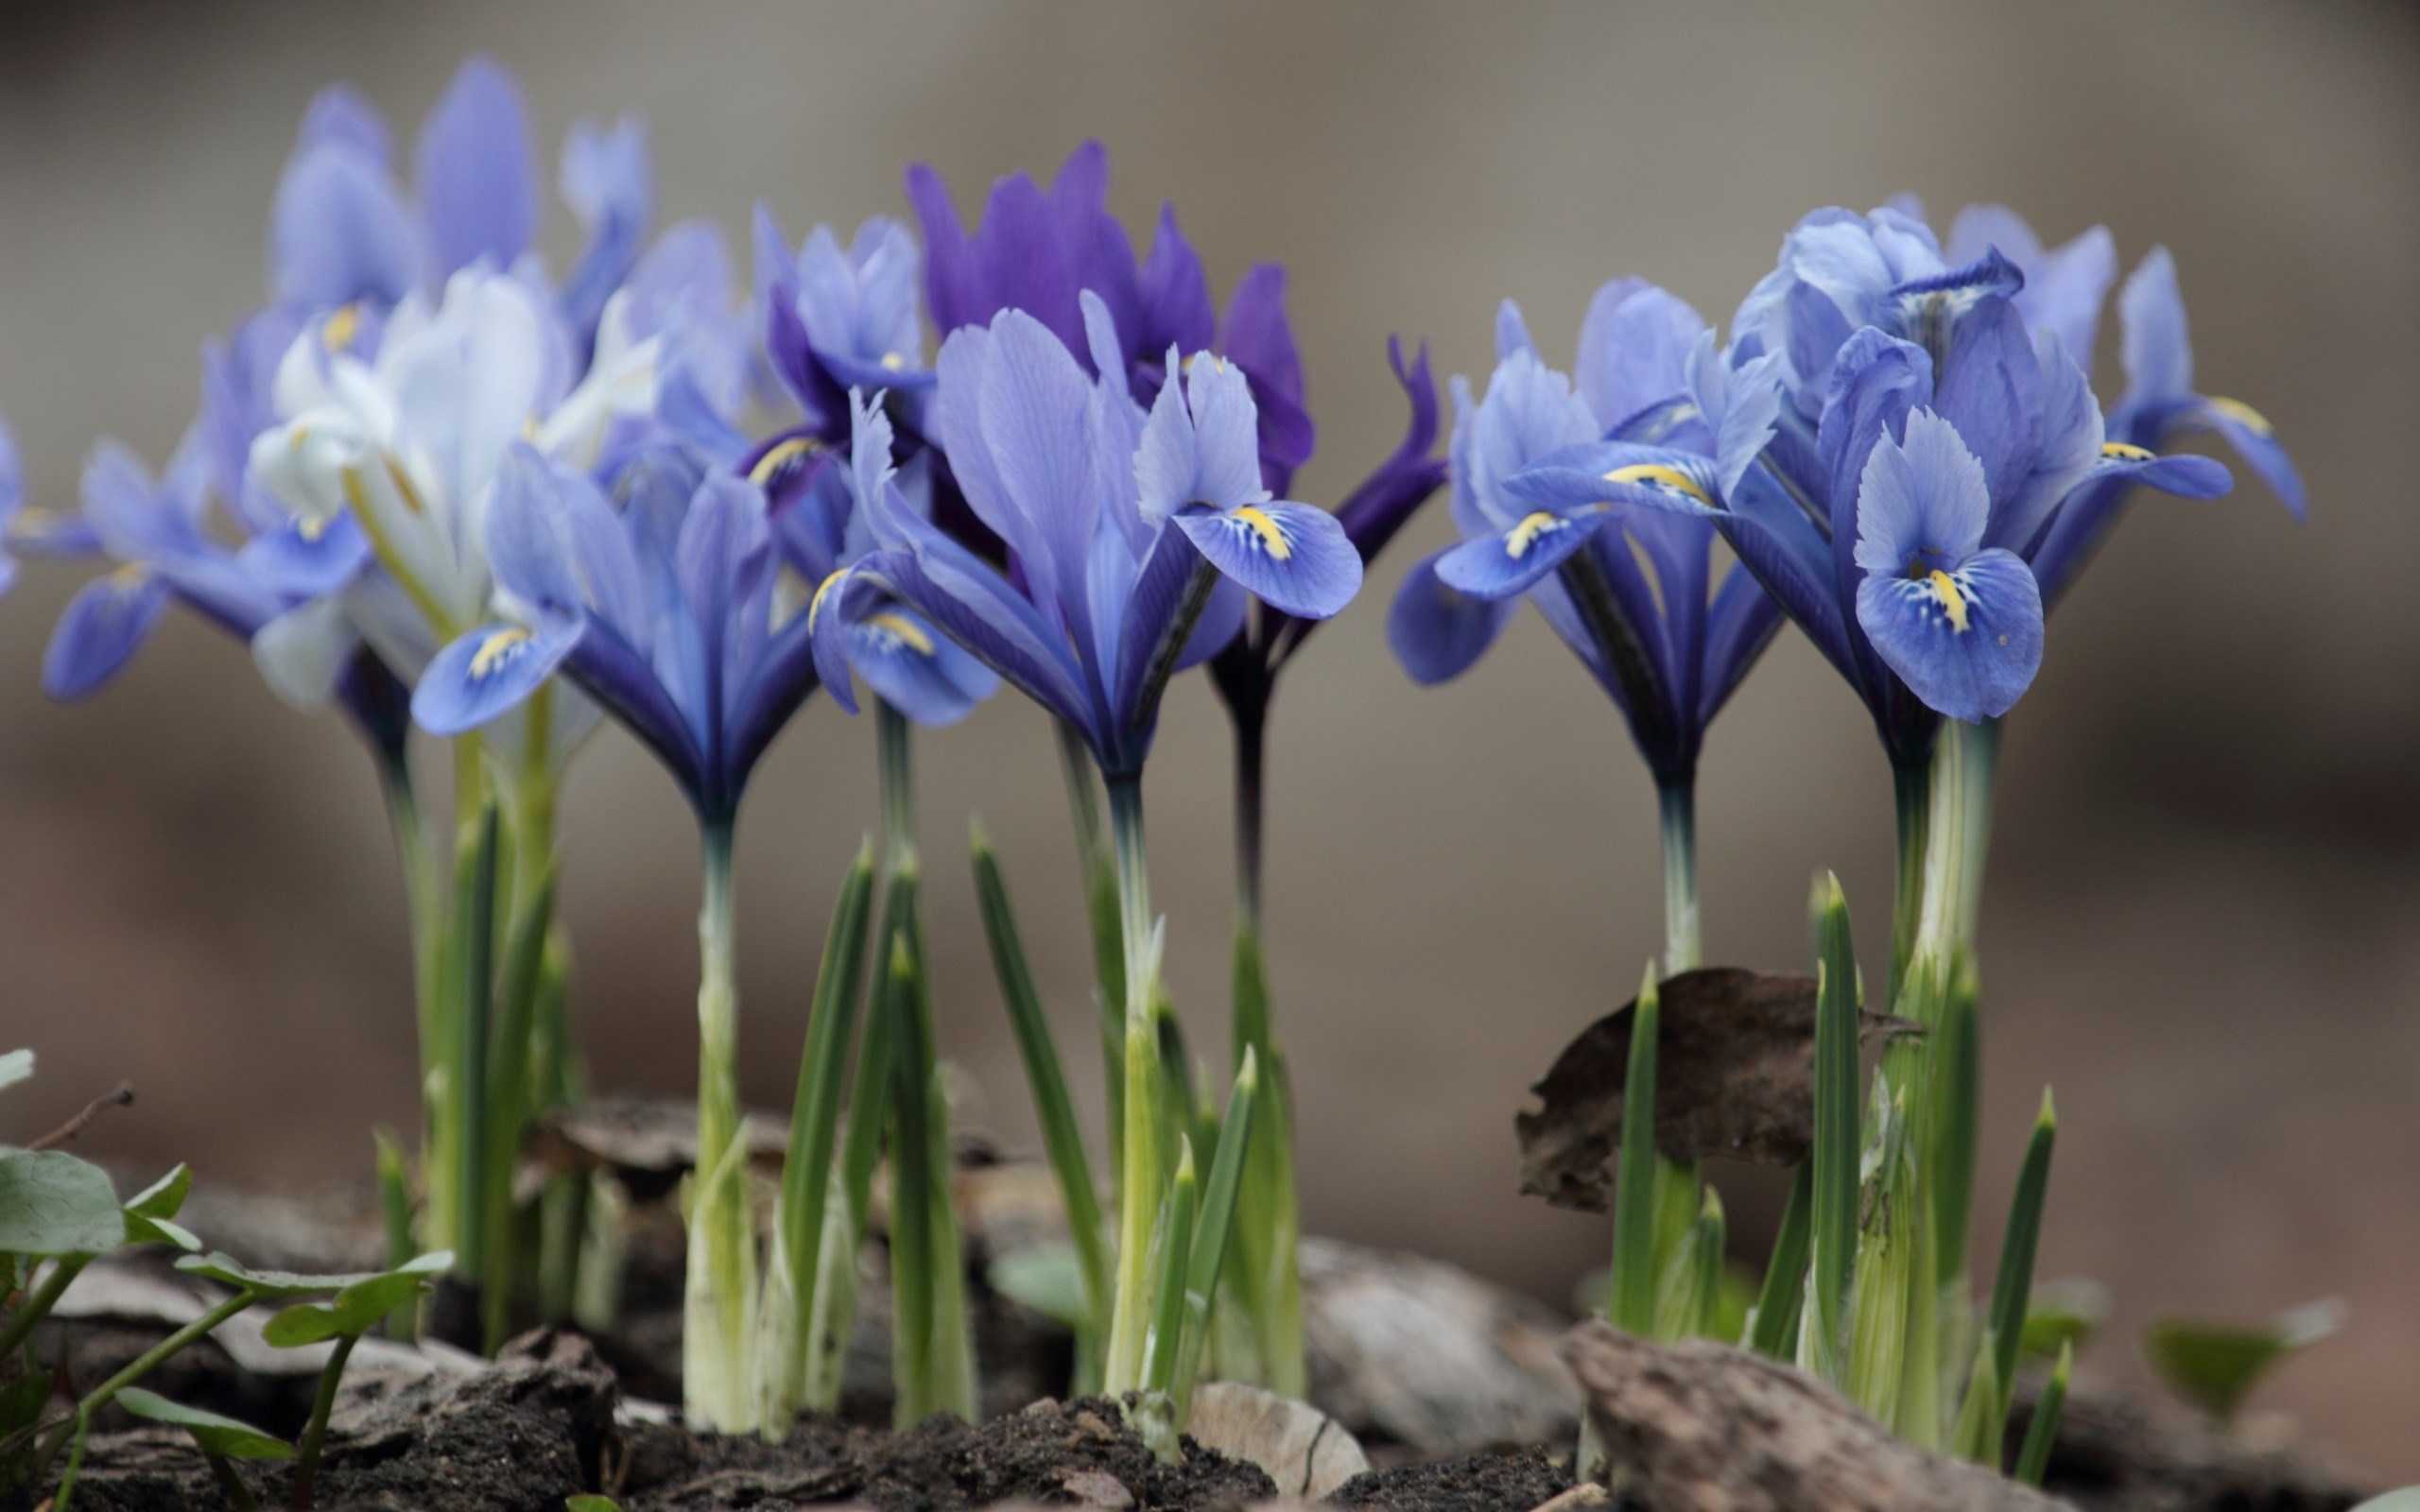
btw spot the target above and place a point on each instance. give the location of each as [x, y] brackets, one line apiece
[1273, 539]
[495, 650]
[908, 631]
[1953, 602]
[2121, 452]
[1656, 473]
[816, 602]
[1527, 534]
[781, 457]
[893, 362]
[2242, 414]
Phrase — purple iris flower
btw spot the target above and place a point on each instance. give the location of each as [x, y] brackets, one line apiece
[1625, 584]
[1862, 324]
[1134, 539]
[661, 609]
[1039, 252]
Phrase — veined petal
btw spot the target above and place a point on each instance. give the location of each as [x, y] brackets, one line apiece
[1227, 447]
[1967, 641]
[1598, 472]
[475, 172]
[1499, 566]
[1257, 337]
[1173, 293]
[1634, 347]
[104, 624]
[2157, 345]
[338, 231]
[488, 671]
[1922, 505]
[915, 668]
[1437, 630]
[1292, 558]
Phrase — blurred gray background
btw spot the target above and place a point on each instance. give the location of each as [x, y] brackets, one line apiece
[2200, 925]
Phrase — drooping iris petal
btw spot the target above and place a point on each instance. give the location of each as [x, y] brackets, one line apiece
[475, 172]
[915, 668]
[104, 625]
[488, 671]
[1438, 631]
[2252, 438]
[1499, 566]
[1966, 641]
[1292, 558]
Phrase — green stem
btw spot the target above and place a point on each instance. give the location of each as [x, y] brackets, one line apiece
[38, 1306]
[1140, 1185]
[1982, 757]
[1101, 905]
[1683, 948]
[230, 1484]
[719, 1301]
[306, 1466]
[897, 774]
[142, 1365]
[1912, 792]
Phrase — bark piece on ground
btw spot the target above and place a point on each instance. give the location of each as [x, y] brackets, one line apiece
[1304, 1450]
[1705, 1427]
[2121, 1451]
[1734, 1068]
[1414, 1351]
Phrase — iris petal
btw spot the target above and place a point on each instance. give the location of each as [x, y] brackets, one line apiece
[1437, 630]
[1291, 557]
[103, 627]
[488, 671]
[1966, 641]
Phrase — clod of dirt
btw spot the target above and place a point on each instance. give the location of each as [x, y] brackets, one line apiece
[1476, 1483]
[1304, 1450]
[1702, 1424]
[2119, 1452]
[537, 1428]
[1735, 1066]
[1051, 1453]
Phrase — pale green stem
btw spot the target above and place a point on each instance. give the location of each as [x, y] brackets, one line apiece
[1139, 1185]
[1684, 945]
[716, 1376]
[315, 1437]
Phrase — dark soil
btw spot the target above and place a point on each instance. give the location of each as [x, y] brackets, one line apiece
[1474, 1482]
[1073, 1452]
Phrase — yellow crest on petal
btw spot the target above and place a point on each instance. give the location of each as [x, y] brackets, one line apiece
[780, 457]
[907, 631]
[1525, 534]
[2121, 452]
[1953, 602]
[1656, 473]
[495, 649]
[1273, 539]
[2242, 414]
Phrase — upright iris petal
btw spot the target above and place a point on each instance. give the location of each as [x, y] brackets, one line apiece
[1960, 624]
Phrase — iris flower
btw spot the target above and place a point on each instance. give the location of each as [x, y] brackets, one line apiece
[1135, 538]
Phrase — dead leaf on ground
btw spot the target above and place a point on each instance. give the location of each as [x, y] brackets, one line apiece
[1734, 1076]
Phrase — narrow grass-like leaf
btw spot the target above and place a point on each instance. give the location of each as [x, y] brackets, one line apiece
[395, 1205]
[806, 1166]
[1982, 1415]
[1176, 1260]
[474, 926]
[2012, 1289]
[1213, 1232]
[1774, 1332]
[1062, 1138]
[1957, 1046]
[2033, 1460]
[1833, 1192]
[1632, 1292]
[507, 1107]
[912, 1256]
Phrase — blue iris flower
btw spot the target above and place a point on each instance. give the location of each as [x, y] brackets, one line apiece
[660, 609]
[1624, 583]
[1134, 539]
[1864, 324]
[2160, 408]
[839, 319]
